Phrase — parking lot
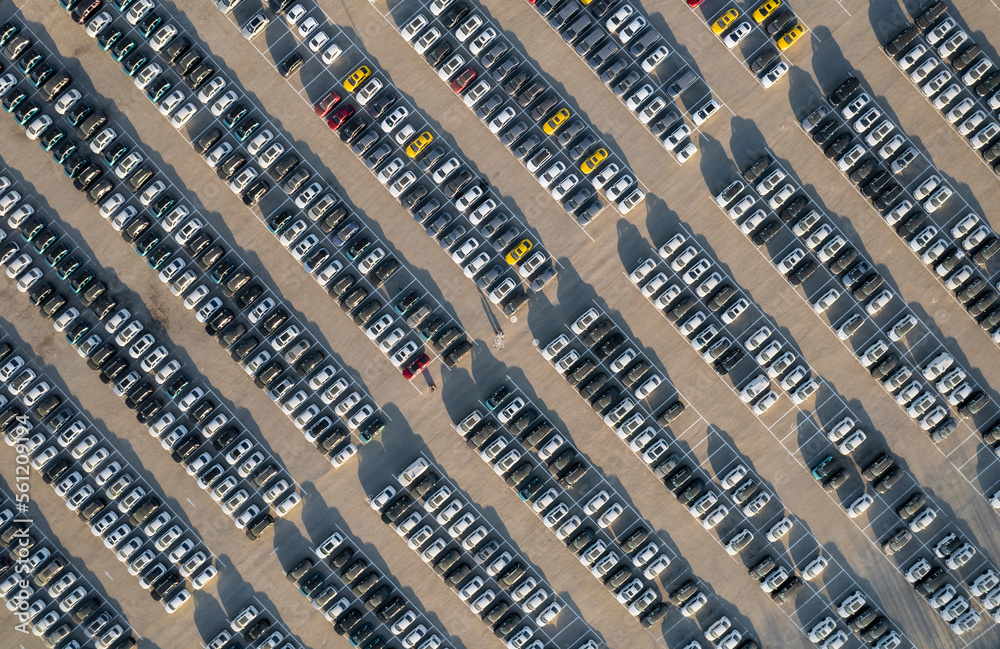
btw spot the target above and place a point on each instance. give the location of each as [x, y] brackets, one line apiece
[674, 475]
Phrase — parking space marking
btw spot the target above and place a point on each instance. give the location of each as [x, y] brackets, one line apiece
[658, 86]
[504, 544]
[966, 92]
[560, 155]
[102, 442]
[364, 59]
[292, 319]
[757, 28]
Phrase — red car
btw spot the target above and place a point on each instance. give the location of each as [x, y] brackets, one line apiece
[327, 103]
[411, 370]
[343, 114]
[694, 3]
[462, 81]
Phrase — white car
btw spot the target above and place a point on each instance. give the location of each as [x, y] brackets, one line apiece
[42, 122]
[814, 568]
[921, 71]
[67, 100]
[779, 530]
[653, 59]
[738, 33]
[913, 55]
[548, 614]
[851, 604]
[717, 629]
[772, 76]
[851, 442]
[700, 115]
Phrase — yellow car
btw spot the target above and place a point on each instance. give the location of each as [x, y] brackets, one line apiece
[556, 121]
[352, 82]
[724, 21]
[766, 10]
[518, 253]
[789, 37]
[588, 165]
[418, 144]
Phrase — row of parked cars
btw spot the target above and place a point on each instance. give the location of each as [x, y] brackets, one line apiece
[721, 295]
[346, 587]
[249, 625]
[951, 71]
[43, 586]
[381, 131]
[138, 389]
[703, 503]
[344, 232]
[624, 50]
[519, 106]
[489, 576]
[254, 141]
[856, 274]
[276, 326]
[617, 403]
[746, 495]
[777, 21]
[377, 126]
[592, 543]
[104, 490]
[458, 186]
[931, 581]
[929, 578]
[916, 513]
[946, 250]
[691, 492]
[861, 616]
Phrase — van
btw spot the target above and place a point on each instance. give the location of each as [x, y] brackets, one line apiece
[682, 84]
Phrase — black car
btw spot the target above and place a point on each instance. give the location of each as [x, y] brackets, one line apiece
[866, 169]
[763, 61]
[283, 166]
[290, 64]
[902, 40]
[825, 131]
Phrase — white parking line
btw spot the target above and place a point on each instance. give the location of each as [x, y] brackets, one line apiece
[169, 184]
[966, 90]
[413, 111]
[430, 519]
[755, 28]
[559, 155]
[907, 194]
